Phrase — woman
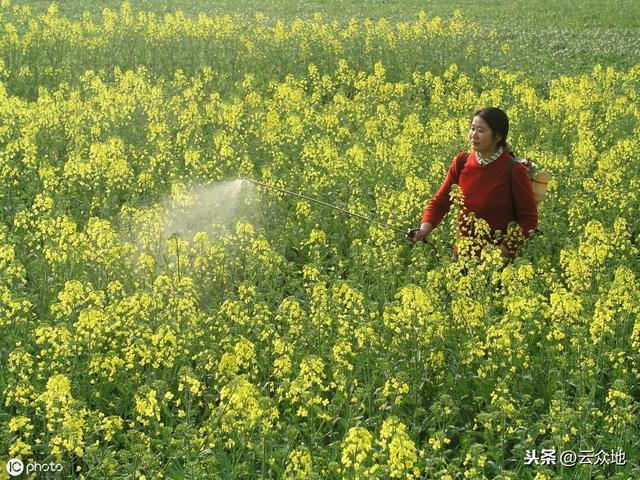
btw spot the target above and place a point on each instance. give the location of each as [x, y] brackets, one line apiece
[496, 188]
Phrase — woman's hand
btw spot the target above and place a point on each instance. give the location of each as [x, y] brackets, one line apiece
[506, 253]
[421, 234]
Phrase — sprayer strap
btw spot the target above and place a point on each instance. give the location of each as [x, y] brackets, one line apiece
[461, 163]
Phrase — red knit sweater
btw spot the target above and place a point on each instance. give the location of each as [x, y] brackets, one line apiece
[488, 194]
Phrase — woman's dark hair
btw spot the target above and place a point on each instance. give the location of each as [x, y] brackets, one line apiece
[498, 122]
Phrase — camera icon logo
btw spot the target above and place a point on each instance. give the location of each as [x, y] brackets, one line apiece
[15, 467]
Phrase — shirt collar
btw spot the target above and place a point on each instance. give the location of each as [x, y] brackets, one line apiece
[486, 161]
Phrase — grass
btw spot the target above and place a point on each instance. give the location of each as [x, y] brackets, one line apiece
[543, 39]
[546, 38]
[504, 14]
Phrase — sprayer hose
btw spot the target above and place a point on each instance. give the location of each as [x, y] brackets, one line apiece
[311, 199]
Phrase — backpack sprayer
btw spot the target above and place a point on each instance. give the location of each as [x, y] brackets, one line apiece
[408, 234]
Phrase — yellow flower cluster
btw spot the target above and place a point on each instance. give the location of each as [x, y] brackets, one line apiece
[299, 464]
[147, 407]
[399, 449]
[357, 452]
[66, 422]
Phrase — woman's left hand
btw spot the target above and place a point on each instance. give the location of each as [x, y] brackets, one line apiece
[505, 251]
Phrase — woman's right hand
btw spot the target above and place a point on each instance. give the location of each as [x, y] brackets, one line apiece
[421, 234]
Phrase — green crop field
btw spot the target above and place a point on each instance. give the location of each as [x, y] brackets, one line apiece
[163, 314]
[547, 38]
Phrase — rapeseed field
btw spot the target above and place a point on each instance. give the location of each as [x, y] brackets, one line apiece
[160, 318]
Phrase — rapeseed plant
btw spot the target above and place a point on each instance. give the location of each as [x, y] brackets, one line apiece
[291, 342]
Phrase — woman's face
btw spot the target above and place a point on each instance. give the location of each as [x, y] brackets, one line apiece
[481, 137]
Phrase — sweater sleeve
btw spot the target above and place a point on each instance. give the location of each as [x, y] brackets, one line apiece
[441, 203]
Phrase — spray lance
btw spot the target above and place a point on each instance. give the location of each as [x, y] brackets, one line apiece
[408, 234]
